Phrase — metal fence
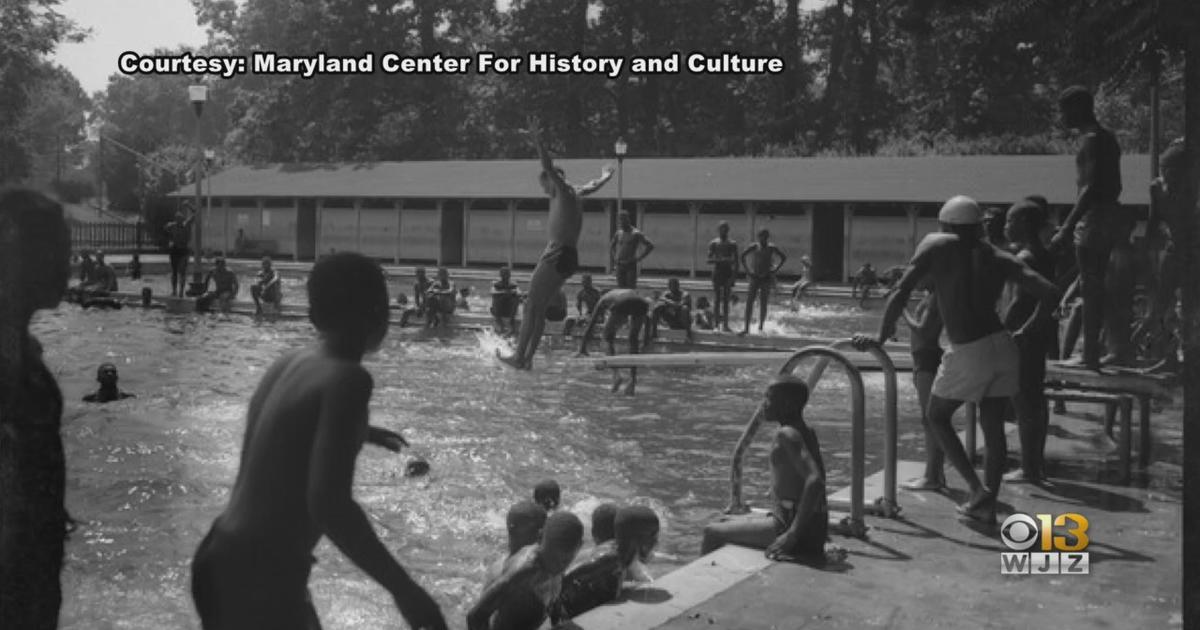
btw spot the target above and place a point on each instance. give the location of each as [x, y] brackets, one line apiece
[111, 236]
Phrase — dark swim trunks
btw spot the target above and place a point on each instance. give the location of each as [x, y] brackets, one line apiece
[251, 584]
[555, 313]
[723, 276]
[564, 257]
[812, 545]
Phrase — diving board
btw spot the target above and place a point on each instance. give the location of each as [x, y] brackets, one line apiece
[776, 359]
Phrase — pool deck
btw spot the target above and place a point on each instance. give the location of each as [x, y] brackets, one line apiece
[926, 569]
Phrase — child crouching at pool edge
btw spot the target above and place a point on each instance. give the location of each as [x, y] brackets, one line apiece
[306, 424]
[797, 527]
[599, 576]
[531, 579]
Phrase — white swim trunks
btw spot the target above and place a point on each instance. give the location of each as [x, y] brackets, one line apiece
[985, 368]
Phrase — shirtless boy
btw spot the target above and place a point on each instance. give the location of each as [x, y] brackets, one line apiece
[524, 523]
[561, 258]
[266, 288]
[531, 579]
[761, 271]
[723, 256]
[585, 303]
[306, 424]
[440, 300]
[225, 288]
[108, 391]
[617, 307]
[798, 525]
[598, 577]
[623, 251]
[674, 308]
[981, 365]
[506, 297]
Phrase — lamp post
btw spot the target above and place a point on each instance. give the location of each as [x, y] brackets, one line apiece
[210, 156]
[619, 148]
[198, 94]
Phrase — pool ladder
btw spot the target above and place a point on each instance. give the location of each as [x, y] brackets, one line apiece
[853, 524]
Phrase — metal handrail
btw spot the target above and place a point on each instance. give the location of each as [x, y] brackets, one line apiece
[887, 506]
[858, 440]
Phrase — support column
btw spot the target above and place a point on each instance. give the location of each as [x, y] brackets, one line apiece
[440, 203]
[847, 239]
[466, 231]
[694, 210]
[751, 216]
[320, 229]
[639, 220]
[609, 213]
[512, 233]
[914, 212]
[810, 210]
[399, 207]
[358, 224]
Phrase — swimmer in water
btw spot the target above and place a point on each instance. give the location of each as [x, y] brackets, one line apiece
[798, 525]
[531, 580]
[618, 306]
[525, 521]
[604, 523]
[597, 578]
[560, 259]
[547, 494]
[106, 375]
[306, 424]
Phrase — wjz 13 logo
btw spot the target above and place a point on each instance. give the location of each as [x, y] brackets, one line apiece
[1038, 548]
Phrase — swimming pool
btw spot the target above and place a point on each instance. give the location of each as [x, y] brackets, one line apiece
[146, 476]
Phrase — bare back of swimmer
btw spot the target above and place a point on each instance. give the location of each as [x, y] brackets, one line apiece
[620, 305]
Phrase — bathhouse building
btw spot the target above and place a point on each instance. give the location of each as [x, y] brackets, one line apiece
[839, 211]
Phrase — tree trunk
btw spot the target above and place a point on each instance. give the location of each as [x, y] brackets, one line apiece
[833, 81]
[790, 97]
[578, 138]
[1190, 288]
[868, 71]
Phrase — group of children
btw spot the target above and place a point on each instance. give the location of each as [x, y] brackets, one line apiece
[544, 574]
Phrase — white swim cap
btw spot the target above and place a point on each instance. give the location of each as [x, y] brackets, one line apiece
[960, 210]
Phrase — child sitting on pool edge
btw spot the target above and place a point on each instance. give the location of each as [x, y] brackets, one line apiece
[797, 527]
[597, 579]
[531, 579]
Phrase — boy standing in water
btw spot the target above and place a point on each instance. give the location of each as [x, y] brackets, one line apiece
[561, 258]
[723, 256]
[306, 424]
[761, 272]
[531, 581]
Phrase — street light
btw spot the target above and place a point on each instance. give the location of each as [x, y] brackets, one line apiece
[619, 147]
[198, 94]
[210, 156]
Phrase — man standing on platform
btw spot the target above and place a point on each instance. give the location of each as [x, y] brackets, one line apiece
[624, 251]
[1101, 231]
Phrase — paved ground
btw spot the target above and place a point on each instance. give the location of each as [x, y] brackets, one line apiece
[928, 570]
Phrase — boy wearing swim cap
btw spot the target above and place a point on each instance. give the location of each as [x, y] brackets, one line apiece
[798, 525]
[306, 425]
[531, 579]
[597, 578]
[982, 365]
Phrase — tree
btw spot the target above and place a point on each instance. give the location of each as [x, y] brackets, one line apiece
[53, 126]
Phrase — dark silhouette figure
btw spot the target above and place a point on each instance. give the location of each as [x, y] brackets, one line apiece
[34, 271]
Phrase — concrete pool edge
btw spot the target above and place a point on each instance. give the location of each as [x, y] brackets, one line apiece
[686, 587]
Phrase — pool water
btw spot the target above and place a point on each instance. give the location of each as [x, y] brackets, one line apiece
[146, 476]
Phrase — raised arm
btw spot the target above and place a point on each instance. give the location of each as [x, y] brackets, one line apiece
[547, 163]
[594, 185]
[341, 429]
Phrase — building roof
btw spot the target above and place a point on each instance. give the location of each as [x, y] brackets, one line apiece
[989, 179]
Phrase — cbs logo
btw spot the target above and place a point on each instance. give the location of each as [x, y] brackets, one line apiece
[1020, 532]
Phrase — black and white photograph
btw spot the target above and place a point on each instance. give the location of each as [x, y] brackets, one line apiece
[599, 314]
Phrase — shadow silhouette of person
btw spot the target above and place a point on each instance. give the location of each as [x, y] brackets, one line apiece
[34, 271]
